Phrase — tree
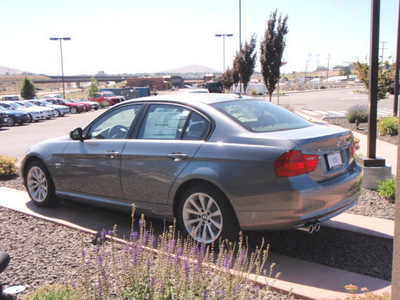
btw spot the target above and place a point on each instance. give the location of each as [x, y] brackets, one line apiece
[93, 88]
[385, 78]
[227, 79]
[235, 70]
[28, 90]
[272, 48]
[247, 62]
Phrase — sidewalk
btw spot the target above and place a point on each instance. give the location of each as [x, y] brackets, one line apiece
[304, 279]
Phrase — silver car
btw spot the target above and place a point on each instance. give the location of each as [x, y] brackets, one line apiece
[217, 163]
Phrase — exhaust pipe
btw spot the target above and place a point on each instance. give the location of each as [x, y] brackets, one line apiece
[311, 228]
[317, 226]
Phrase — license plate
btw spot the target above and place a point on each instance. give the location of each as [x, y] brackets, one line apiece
[334, 160]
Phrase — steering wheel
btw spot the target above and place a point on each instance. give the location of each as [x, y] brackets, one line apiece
[117, 132]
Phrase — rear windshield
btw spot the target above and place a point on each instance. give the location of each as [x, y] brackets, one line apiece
[261, 116]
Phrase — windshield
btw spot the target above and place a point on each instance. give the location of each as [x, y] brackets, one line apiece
[28, 104]
[16, 105]
[261, 116]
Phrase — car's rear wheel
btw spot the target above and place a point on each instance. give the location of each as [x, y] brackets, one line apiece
[40, 185]
[73, 110]
[205, 214]
[10, 121]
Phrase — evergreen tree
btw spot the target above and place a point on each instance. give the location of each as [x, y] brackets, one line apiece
[272, 48]
[247, 62]
[28, 90]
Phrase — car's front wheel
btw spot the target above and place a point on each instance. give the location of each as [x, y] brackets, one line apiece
[57, 113]
[40, 185]
[205, 214]
[10, 121]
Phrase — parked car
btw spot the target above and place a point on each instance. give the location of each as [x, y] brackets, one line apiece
[106, 99]
[60, 110]
[52, 96]
[217, 163]
[47, 111]
[3, 118]
[88, 106]
[16, 116]
[34, 115]
[94, 105]
[73, 107]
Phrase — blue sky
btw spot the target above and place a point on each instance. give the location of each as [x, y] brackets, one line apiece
[131, 36]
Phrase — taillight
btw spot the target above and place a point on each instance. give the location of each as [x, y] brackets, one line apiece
[294, 163]
[353, 151]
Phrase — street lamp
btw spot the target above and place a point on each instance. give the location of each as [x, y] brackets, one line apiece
[223, 36]
[62, 65]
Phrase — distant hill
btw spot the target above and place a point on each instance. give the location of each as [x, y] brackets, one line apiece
[192, 69]
[10, 71]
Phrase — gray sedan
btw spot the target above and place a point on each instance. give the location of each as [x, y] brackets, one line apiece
[216, 163]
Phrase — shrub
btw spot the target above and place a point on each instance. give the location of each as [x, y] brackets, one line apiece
[54, 292]
[387, 188]
[389, 126]
[167, 267]
[7, 165]
[357, 112]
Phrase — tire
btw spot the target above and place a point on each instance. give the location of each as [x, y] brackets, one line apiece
[39, 185]
[57, 113]
[10, 121]
[30, 118]
[73, 110]
[204, 213]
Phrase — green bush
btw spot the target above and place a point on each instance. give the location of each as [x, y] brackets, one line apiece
[387, 188]
[389, 126]
[357, 112]
[7, 165]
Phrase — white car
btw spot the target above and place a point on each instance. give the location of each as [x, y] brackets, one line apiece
[35, 115]
[47, 111]
[52, 96]
[60, 110]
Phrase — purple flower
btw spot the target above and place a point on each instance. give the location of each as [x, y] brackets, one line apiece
[103, 234]
[186, 267]
[146, 236]
[178, 256]
[140, 223]
[152, 282]
[153, 241]
[227, 263]
[134, 236]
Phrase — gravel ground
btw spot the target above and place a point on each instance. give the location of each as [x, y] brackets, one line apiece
[44, 253]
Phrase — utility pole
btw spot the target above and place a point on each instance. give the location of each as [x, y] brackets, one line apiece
[240, 25]
[383, 50]
[327, 69]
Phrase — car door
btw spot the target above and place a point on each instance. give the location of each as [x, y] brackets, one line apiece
[92, 166]
[163, 148]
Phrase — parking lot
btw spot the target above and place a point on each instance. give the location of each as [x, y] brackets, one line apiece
[16, 140]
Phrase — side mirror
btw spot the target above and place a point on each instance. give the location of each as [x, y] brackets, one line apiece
[76, 134]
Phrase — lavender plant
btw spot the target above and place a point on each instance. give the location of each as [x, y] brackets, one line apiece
[170, 267]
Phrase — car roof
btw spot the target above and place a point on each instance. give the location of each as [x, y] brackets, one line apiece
[204, 98]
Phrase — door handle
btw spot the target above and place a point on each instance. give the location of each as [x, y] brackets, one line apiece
[177, 156]
[112, 154]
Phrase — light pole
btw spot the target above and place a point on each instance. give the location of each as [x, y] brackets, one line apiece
[223, 40]
[62, 64]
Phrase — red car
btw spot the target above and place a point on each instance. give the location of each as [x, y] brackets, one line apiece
[106, 99]
[87, 105]
[73, 107]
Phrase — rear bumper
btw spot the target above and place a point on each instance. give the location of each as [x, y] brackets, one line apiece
[294, 208]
